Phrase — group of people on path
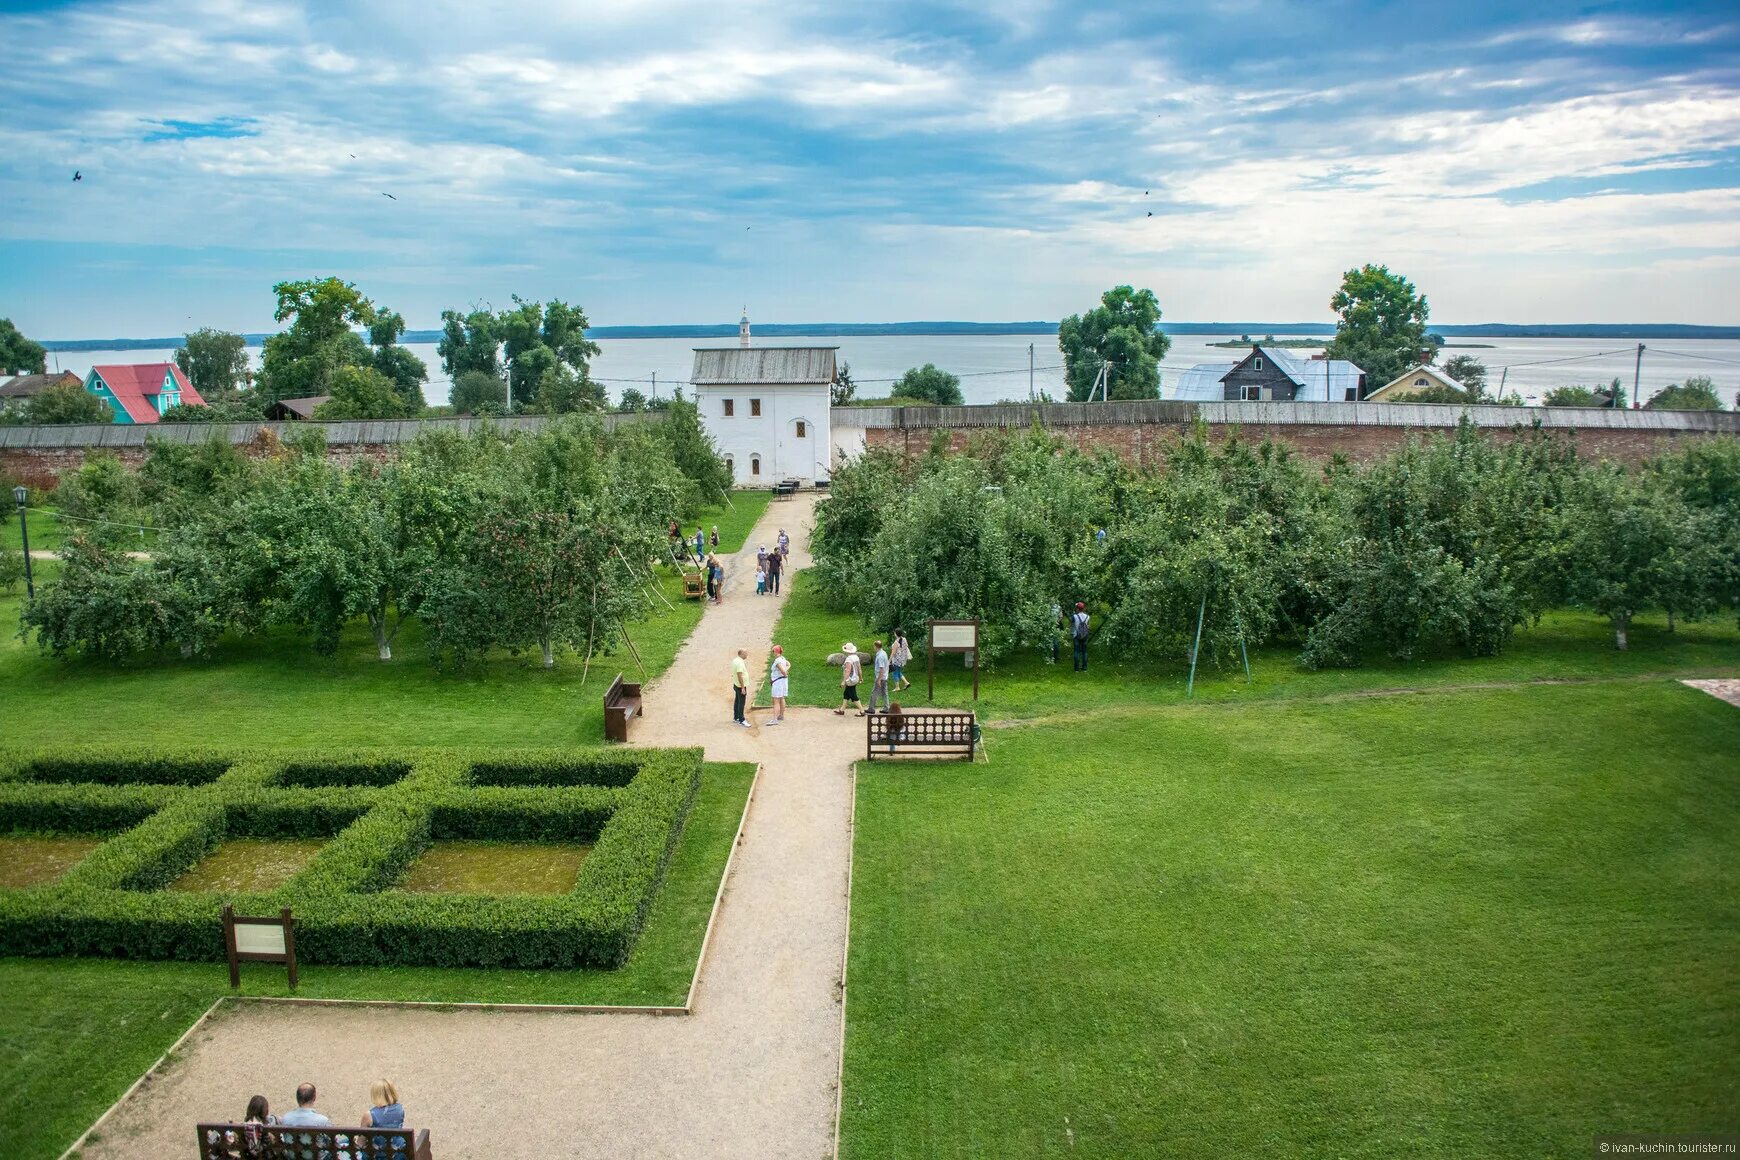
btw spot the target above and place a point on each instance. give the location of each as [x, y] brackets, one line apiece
[887, 672]
[385, 1110]
[768, 565]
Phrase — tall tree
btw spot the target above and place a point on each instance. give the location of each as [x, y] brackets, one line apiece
[538, 336]
[469, 342]
[302, 360]
[18, 355]
[930, 383]
[216, 362]
[406, 370]
[1121, 330]
[1382, 327]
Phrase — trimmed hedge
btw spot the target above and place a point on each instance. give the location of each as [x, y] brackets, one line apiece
[112, 903]
[124, 767]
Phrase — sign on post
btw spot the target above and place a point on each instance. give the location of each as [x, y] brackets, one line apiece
[259, 940]
[953, 636]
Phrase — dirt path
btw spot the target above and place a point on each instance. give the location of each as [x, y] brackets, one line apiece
[750, 1074]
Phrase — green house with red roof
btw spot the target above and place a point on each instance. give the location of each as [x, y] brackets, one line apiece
[141, 392]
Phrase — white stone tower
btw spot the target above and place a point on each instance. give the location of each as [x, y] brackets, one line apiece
[743, 328]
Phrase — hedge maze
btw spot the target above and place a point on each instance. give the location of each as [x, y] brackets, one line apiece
[160, 813]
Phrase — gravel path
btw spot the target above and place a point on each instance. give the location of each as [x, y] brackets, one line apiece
[1727, 690]
[750, 1074]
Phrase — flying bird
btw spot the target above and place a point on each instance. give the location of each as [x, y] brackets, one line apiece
[77, 176]
[389, 195]
[353, 156]
[1150, 213]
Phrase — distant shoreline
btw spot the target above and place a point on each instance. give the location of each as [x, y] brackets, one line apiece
[1642, 331]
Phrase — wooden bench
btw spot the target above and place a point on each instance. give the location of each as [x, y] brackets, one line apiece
[782, 490]
[922, 733]
[277, 1142]
[621, 703]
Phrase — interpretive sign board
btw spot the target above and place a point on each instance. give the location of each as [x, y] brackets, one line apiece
[953, 636]
[259, 940]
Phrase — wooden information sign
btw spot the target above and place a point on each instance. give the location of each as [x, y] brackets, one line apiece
[259, 940]
[953, 636]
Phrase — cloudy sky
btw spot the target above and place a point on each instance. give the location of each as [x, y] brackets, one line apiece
[665, 161]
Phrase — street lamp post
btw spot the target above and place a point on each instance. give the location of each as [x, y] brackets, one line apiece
[20, 495]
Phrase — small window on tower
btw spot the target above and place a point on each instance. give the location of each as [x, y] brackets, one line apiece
[730, 407]
[1257, 363]
[800, 428]
[755, 407]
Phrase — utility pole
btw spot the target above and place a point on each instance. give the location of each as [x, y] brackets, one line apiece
[1504, 373]
[655, 384]
[1031, 397]
[1636, 377]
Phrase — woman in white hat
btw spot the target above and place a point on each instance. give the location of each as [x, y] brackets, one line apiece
[851, 672]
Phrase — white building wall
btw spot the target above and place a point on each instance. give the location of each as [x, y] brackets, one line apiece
[772, 435]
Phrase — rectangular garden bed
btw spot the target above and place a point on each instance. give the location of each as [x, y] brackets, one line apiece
[334, 837]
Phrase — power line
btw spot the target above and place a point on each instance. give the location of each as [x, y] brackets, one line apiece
[1661, 353]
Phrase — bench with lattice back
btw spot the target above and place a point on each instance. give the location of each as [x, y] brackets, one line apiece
[921, 733]
[278, 1142]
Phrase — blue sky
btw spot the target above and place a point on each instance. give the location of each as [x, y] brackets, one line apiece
[667, 161]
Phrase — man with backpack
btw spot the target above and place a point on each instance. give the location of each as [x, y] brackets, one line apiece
[1078, 636]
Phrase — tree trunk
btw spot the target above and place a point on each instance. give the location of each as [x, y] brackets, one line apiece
[549, 653]
[383, 643]
[1670, 613]
[1621, 626]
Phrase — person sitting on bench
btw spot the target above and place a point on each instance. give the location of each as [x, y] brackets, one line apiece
[894, 725]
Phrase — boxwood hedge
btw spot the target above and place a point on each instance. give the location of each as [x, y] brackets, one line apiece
[381, 809]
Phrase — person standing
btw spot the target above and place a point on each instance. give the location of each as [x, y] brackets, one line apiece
[718, 581]
[899, 656]
[1078, 636]
[715, 537]
[879, 680]
[851, 672]
[700, 543]
[775, 565]
[712, 579]
[779, 675]
[740, 687]
[761, 581]
[784, 543]
[761, 556]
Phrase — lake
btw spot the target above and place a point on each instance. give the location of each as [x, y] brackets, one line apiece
[994, 367]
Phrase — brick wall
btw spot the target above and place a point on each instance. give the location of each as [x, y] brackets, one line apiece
[1147, 443]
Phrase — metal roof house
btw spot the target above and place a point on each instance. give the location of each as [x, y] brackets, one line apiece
[768, 409]
[1272, 373]
[141, 392]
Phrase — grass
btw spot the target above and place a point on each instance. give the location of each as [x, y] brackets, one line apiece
[75, 1032]
[734, 521]
[1484, 923]
[1565, 646]
[45, 528]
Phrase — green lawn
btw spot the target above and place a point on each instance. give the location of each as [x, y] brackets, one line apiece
[1565, 646]
[734, 520]
[74, 1033]
[45, 528]
[1475, 923]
